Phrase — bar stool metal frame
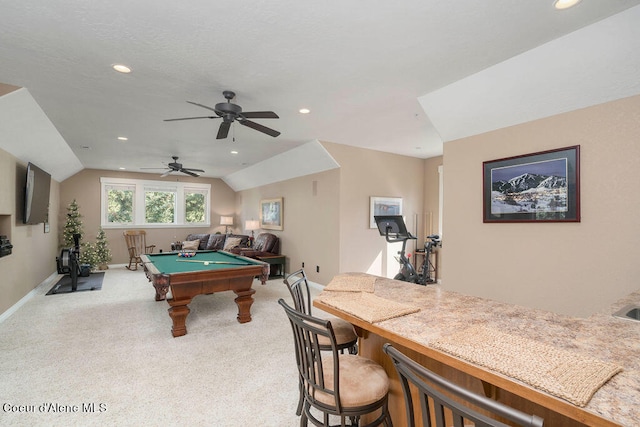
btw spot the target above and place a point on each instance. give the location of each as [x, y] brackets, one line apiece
[299, 288]
[426, 381]
[321, 375]
[346, 338]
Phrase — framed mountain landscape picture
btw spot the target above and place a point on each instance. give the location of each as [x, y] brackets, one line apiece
[537, 187]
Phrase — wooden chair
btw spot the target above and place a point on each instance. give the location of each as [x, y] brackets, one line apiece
[346, 338]
[335, 384]
[136, 241]
[438, 393]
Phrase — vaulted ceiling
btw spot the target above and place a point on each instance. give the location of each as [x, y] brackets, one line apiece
[400, 77]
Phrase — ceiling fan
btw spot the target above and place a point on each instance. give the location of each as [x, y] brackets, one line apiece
[230, 112]
[177, 167]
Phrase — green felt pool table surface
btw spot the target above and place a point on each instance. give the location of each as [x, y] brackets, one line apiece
[205, 273]
[169, 263]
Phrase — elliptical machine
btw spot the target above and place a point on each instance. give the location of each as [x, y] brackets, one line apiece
[394, 230]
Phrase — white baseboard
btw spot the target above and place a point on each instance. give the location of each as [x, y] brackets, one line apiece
[45, 284]
[316, 286]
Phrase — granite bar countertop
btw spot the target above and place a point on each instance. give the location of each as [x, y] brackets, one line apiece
[600, 336]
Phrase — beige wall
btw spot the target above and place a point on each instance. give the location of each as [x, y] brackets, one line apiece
[432, 208]
[84, 187]
[326, 215]
[311, 221]
[34, 251]
[571, 268]
[431, 195]
[365, 173]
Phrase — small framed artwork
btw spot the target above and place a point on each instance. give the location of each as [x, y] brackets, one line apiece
[537, 187]
[383, 206]
[271, 214]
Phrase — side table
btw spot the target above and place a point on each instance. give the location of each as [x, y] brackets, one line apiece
[277, 261]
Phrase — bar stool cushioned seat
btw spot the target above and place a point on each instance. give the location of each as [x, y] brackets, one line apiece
[362, 381]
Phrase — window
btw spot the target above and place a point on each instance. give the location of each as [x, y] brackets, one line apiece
[159, 206]
[194, 206]
[119, 204]
[131, 202]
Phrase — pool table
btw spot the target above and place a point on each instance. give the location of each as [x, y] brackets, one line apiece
[205, 273]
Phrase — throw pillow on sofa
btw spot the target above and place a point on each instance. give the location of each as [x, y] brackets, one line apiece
[216, 241]
[190, 245]
[231, 242]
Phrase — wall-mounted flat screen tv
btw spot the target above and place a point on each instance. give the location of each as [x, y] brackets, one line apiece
[36, 195]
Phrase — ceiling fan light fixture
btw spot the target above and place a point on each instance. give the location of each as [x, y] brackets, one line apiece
[230, 112]
[122, 68]
[565, 4]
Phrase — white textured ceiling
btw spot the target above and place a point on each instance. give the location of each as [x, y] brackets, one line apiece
[362, 68]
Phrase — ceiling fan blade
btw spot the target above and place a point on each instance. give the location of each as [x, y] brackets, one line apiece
[166, 173]
[192, 170]
[259, 127]
[224, 130]
[203, 106]
[260, 115]
[192, 118]
[188, 172]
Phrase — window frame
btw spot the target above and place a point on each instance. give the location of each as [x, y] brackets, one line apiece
[140, 187]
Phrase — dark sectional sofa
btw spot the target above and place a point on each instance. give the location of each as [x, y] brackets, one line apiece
[265, 244]
[217, 241]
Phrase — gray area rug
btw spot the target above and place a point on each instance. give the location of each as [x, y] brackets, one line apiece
[93, 282]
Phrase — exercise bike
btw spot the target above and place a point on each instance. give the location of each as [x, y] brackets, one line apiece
[392, 227]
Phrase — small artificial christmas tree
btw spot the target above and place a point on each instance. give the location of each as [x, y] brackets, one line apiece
[88, 255]
[102, 251]
[73, 225]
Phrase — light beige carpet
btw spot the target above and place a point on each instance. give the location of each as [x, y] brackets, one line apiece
[112, 351]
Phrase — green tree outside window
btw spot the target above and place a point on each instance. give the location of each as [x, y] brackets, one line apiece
[194, 207]
[120, 206]
[159, 207]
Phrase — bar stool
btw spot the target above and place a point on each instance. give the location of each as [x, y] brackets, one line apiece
[346, 338]
[335, 384]
[431, 390]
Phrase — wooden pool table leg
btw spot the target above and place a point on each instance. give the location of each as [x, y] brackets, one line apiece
[161, 291]
[244, 302]
[179, 312]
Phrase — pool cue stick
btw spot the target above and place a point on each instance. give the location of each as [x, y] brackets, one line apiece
[212, 262]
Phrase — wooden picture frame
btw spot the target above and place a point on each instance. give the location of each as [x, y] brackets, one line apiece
[537, 187]
[383, 206]
[271, 214]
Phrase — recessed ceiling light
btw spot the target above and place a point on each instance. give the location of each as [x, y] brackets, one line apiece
[86, 147]
[304, 111]
[234, 152]
[123, 138]
[121, 168]
[122, 68]
[565, 4]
